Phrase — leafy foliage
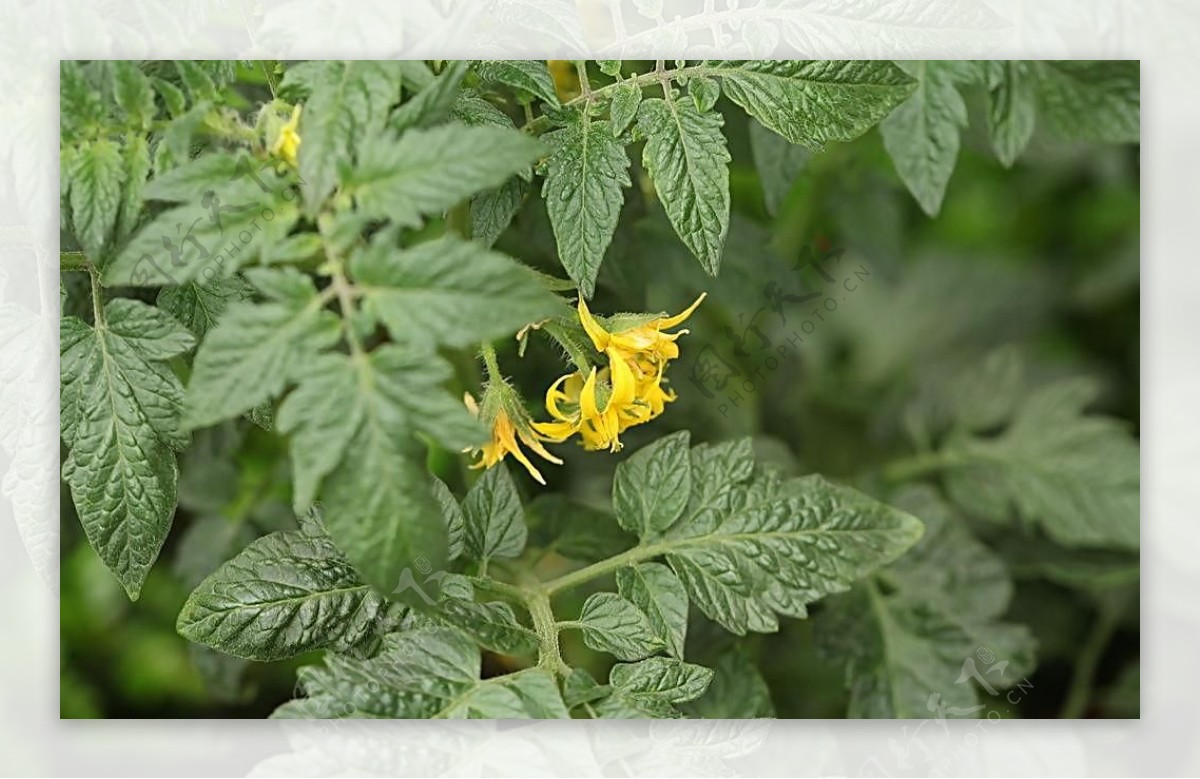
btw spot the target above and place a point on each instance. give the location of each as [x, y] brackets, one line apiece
[278, 278]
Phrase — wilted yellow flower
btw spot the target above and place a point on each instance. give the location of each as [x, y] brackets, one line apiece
[287, 143]
[511, 427]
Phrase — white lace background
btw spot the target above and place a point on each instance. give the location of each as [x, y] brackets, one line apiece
[35, 34]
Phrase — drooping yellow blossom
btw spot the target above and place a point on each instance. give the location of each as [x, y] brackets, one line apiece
[511, 427]
[287, 143]
[598, 407]
[645, 343]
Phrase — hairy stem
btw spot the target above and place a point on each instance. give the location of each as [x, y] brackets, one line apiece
[97, 298]
[601, 568]
[549, 655]
[908, 468]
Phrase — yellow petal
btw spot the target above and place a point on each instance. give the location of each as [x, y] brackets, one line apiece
[600, 337]
[537, 448]
[587, 398]
[556, 431]
[556, 395]
[624, 388]
[663, 324]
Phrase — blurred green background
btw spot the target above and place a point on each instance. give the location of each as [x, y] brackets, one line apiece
[1042, 258]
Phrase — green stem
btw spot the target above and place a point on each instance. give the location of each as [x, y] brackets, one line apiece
[549, 654]
[596, 570]
[97, 298]
[488, 352]
[908, 468]
[542, 123]
[1079, 694]
[585, 87]
[73, 261]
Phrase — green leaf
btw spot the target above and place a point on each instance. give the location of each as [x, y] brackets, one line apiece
[659, 594]
[426, 673]
[136, 163]
[200, 306]
[704, 92]
[586, 173]
[778, 162]
[922, 135]
[434, 102]
[349, 102]
[494, 521]
[580, 688]
[493, 211]
[1091, 101]
[651, 488]
[199, 84]
[223, 230]
[612, 624]
[426, 172]
[453, 517]
[737, 691]
[813, 102]
[530, 76]
[751, 544]
[133, 93]
[172, 96]
[686, 157]
[251, 355]
[908, 648]
[652, 687]
[94, 180]
[1011, 110]
[1076, 475]
[120, 420]
[449, 291]
[575, 530]
[493, 625]
[623, 108]
[352, 422]
[285, 594]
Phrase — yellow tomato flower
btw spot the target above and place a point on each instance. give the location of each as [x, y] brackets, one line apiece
[287, 143]
[646, 344]
[598, 407]
[511, 427]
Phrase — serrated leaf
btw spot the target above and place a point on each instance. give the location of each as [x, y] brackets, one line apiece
[751, 545]
[651, 488]
[338, 395]
[906, 649]
[198, 82]
[200, 306]
[493, 211]
[623, 107]
[172, 96]
[586, 174]
[493, 625]
[704, 92]
[434, 102]
[1091, 101]
[686, 156]
[136, 162]
[449, 291]
[652, 687]
[494, 523]
[120, 420]
[813, 102]
[659, 594]
[221, 231]
[530, 76]
[285, 594]
[1011, 109]
[1076, 475]
[132, 92]
[452, 515]
[252, 354]
[426, 172]
[427, 672]
[922, 134]
[94, 180]
[349, 102]
[612, 624]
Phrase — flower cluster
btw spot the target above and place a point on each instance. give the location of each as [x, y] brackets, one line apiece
[626, 392]
[600, 405]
